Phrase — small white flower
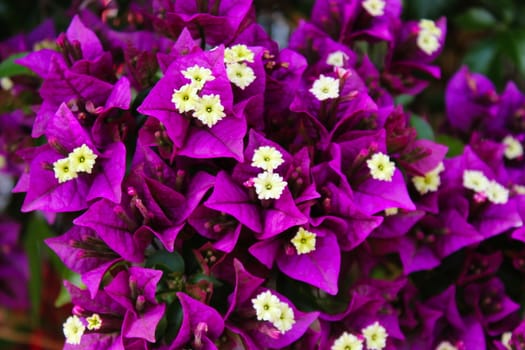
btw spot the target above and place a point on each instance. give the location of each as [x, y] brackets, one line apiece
[64, 171]
[82, 159]
[496, 193]
[325, 88]
[391, 211]
[267, 306]
[6, 83]
[430, 181]
[336, 59]
[513, 147]
[374, 7]
[505, 340]
[209, 110]
[427, 43]
[267, 158]
[73, 330]
[185, 98]
[518, 189]
[375, 336]
[304, 241]
[475, 180]
[238, 53]
[446, 345]
[428, 36]
[286, 319]
[269, 185]
[94, 322]
[347, 341]
[381, 168]
[240, 74]
[198, 75]
[430, 27]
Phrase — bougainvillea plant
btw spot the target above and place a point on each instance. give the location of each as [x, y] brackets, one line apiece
[216, 191]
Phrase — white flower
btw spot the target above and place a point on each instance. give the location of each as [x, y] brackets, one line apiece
[496, 193]
[286, 319]
[267, 158]
[430, 27]
[198, 75]
[209, 110]
[518, 189]
[82, 159]
[391, 211]
[446, 345]
[374, 7]
[505, 340]
[267, 306]
[238, 53]
[325, 87]
[185, 98]
[240, 74]
[513, 147]
[428, 36]
[375, 336]
[73, 330]
[269, 185]
[381, 168]
[6, 83]
[336, 59]
[64, 171]
[475, 180]
[304, 241]
[428, 182]
[427, 43]
[94, 322]
[347, 341]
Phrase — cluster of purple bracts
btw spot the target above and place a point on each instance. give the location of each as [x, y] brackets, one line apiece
[172, 237]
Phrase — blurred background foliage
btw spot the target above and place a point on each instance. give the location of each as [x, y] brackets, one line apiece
[486, 35]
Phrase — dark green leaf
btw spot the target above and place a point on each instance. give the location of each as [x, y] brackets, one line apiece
[404, 99]
[36, 231]
[166, 261]
[426, 8]
[174, 320]
[516, 48]
[63, 297]
[423, 128]
[476, 18]
[480, 57]
[8, 67]
[455, 146]
[200, 276]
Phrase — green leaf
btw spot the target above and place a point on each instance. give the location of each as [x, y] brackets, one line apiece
[63, 297]
[36, 231]
[427, 8]
[423, 128]
[455, 146]
[404, 99]
[196, 278]
[515, 48]
[174, 320]
[481, 56]
[476, 18]
[166, 261]
[8, 67]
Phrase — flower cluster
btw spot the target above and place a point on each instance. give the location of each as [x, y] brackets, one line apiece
[81, 159]
[213, 191]
[374, 335]
[269, 308]
[268, 185]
